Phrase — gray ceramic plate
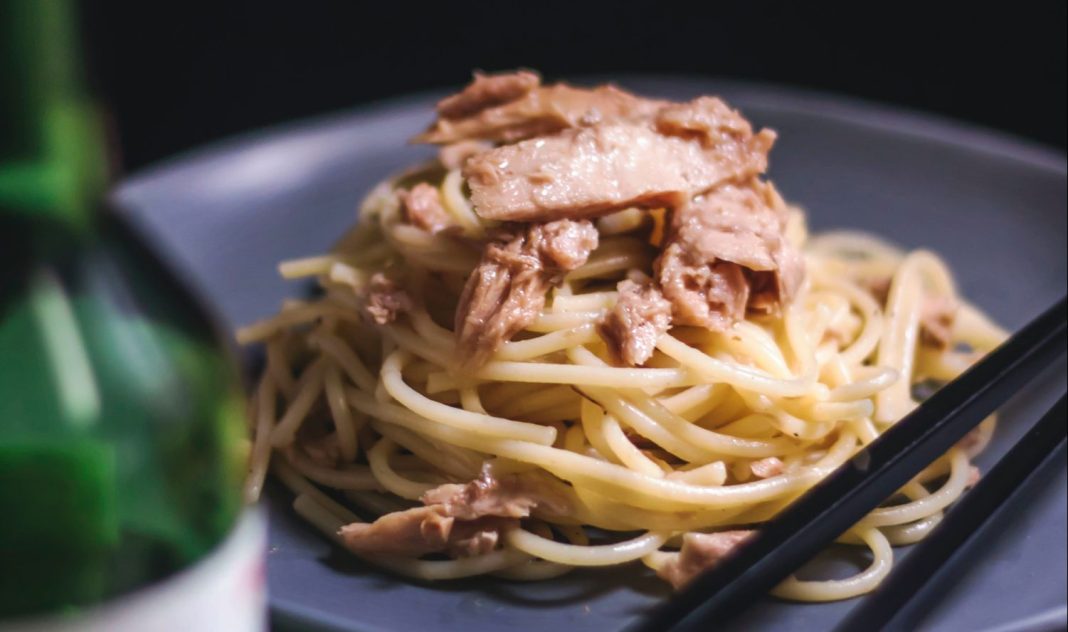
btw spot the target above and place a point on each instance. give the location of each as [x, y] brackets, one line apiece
[994, 207]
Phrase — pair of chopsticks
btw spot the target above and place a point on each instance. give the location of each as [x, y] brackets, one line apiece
[887, 607]
[873, 475]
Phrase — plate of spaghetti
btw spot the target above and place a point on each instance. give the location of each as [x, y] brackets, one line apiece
[581, 341]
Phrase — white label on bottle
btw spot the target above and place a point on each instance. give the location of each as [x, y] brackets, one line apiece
[224, 592]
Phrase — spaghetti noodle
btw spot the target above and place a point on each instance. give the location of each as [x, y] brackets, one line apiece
[716, 432]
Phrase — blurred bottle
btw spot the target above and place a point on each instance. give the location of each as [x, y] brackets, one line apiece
[121, 424]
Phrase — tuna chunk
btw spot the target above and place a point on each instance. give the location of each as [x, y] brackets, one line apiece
[486, 91]
[455, 155]
[576, 154]
[710, 121]
[535, 112]
[573, 152]
[702, 293]
[324, 450]
[462, 520]
[700, 551]
[412, 532]
[491, 494]
[632, 327]
[385, 299]
[506, 291]
[421, 530]
[727, 252]
[593, 171]
[936, 320]
[766, 468]
[422, 207]
[937, 314]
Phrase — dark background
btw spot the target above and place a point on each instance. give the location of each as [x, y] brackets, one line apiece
[182, 74]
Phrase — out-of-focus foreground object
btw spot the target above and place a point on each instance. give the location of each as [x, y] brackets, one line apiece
[121, 450]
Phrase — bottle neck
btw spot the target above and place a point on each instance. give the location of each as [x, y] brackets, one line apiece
[52, 160]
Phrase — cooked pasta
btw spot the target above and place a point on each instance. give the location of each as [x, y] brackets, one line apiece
[714, 433]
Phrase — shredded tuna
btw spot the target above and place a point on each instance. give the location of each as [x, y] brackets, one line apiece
[593, 171]
[484, 496]
[700, 551]
[455, 155]
[486, 91]
[385, 299]
[936, 320]
[477, 537]
[641, 314]
[727, 252]
[422, 207]
[937, 313]
[421, 530]
[766, 468]
[493, 494]
[324, 450]
[412, 532]
[538, 111]
[462, 520]
[711, 295]
[574, 154]
[506, 291]
[711, 122]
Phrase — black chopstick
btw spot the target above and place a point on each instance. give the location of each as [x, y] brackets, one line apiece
[861, 484]
[883, 610]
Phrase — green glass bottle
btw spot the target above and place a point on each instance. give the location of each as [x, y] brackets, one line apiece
[121, 423]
